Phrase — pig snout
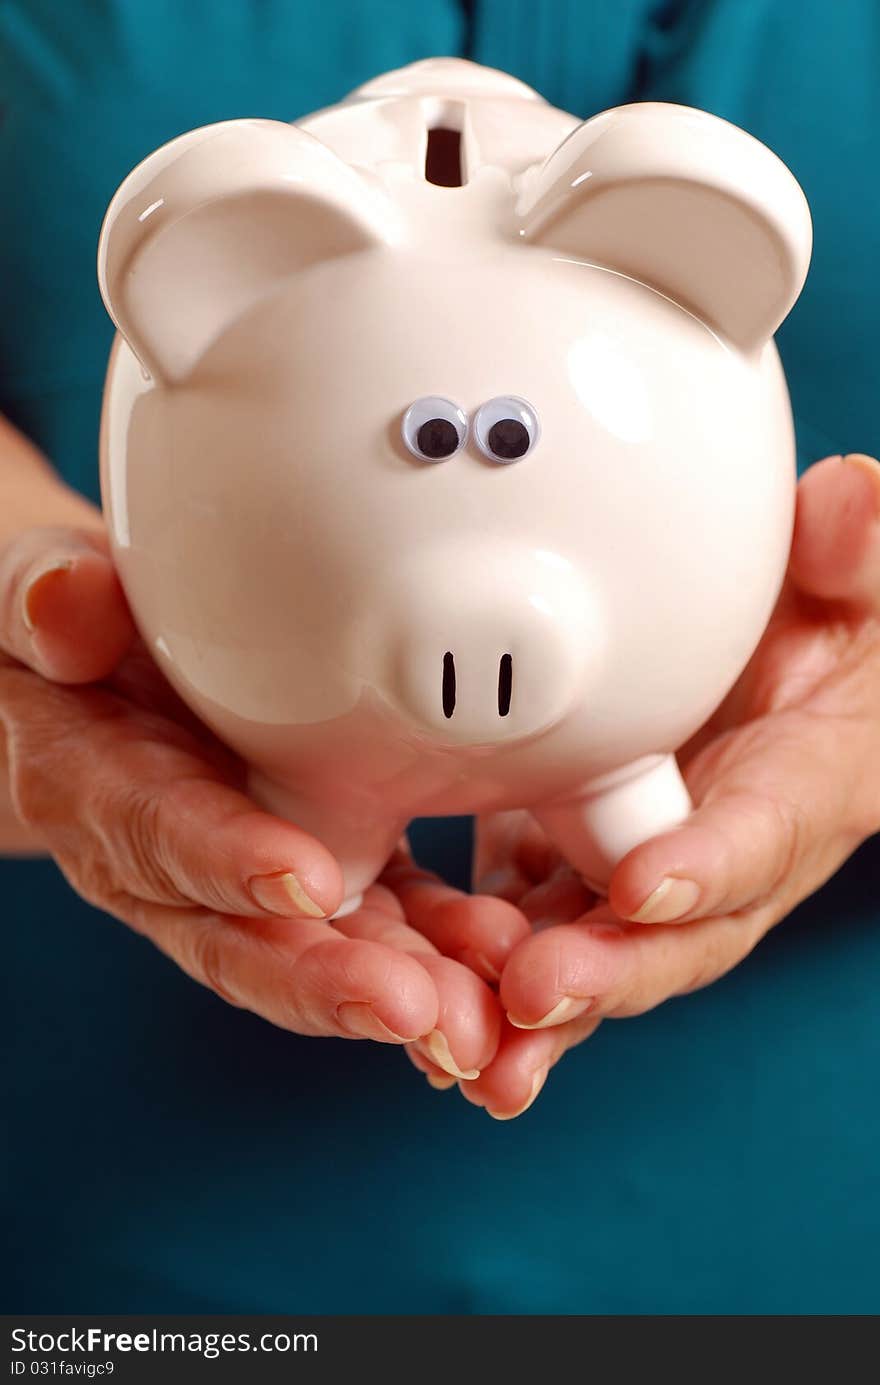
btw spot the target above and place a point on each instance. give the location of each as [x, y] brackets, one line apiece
[490, 649]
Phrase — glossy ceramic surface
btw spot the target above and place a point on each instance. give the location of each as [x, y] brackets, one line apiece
[438, 499]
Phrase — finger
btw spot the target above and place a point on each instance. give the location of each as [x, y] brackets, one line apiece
[601, 967]
[209, 843]
[560, 898]
[513, 1080]
[301, 975]
[773, 811]
[553, 976]
[381, 918]
[417, 889]
[435, 1077]
[379, 899]
[152, 818]
[465, 1036]
[836, 546]
[479, 931]
[62, 609]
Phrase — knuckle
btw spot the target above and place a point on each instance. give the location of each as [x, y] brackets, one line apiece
[316, 983]
[789, 827]
[28, 793]
[50, 756]
[14, 564]
[203, 956]
[126, 827]
[143, 852]
[39, 788]
[91, 877]
[718, 953]
[150, 820]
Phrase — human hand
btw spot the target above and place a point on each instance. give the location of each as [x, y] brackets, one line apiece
[146, 814]
[786, 783]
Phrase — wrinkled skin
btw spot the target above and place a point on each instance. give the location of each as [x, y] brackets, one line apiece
[145, 812]
[786, 781]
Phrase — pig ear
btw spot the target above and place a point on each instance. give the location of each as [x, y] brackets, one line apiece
[685, 202]
[214, 221]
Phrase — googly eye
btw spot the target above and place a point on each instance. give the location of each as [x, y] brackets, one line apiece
[434, 428]
[506, 428]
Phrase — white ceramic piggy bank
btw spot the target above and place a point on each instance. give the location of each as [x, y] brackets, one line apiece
[447, 456]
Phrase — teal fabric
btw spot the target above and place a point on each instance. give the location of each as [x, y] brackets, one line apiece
[165, 1152]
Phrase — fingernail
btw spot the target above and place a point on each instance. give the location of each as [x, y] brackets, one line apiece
[566, 1009]
[538, 1081]
[31, 591]
[440, 1084]
[436, 1047]
[283, 894]
[671, 899]
[359, 1020]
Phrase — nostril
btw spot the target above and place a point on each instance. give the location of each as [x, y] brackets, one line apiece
[505, 684]
[443, 158]
[448, 684]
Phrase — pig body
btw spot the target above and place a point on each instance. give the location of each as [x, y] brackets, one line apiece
[383, 634]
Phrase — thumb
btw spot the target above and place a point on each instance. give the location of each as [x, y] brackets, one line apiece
[785, 810]
[62, 609]
[835, 551]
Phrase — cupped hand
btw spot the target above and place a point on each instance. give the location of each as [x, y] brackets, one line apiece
[147, 816]
[786, 779]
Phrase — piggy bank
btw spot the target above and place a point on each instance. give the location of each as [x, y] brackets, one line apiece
[447, 457]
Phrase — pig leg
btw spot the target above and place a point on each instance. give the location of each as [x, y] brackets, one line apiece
[361, 839]
[595, 828]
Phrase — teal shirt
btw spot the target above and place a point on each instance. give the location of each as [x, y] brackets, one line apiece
[164, 1152]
